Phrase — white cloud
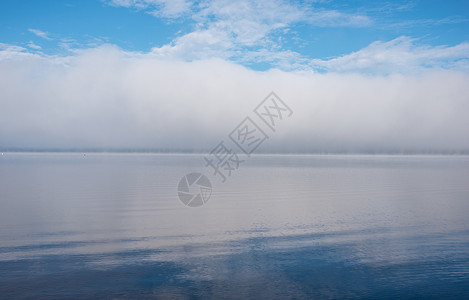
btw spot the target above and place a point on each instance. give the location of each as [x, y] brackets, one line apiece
[401, 55]
[10, 48]
[40, 33]
[12, 52]
[197, 45]
[32, 45]
[108, 98]
[225, 28]
[333, 18]
[159, 8]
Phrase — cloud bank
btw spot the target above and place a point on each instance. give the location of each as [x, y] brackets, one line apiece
[107, 98]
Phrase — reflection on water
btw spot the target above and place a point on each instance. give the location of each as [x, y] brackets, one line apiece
[111, 225]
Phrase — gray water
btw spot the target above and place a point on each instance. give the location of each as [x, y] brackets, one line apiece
[112, 226]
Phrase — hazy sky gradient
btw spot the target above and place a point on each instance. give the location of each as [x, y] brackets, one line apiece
[368, 77]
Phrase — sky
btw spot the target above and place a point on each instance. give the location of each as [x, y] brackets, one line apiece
[360, 76]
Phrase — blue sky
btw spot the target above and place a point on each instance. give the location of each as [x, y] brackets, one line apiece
[259, 34]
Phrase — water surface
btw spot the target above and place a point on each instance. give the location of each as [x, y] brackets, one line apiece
[111, 225]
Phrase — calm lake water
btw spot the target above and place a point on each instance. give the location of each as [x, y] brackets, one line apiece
[112, 226]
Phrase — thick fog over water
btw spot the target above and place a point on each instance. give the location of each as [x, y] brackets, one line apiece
[106, 98]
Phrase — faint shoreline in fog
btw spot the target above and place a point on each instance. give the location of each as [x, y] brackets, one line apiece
[202, 151]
